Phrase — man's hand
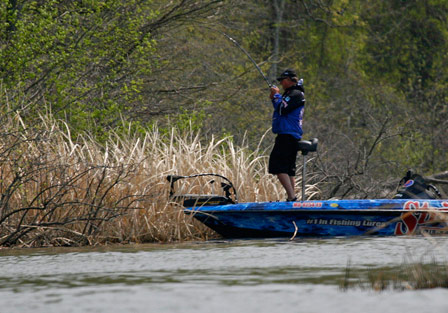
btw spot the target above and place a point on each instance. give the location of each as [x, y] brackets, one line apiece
[274, 90]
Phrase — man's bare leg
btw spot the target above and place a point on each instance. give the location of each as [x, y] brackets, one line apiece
[287, 183]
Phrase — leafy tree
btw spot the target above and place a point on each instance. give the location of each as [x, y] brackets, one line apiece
[90, 59]
[375, 74]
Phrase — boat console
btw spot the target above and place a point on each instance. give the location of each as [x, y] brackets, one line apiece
[414, 186]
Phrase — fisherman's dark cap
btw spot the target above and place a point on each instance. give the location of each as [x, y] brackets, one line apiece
[287, 73]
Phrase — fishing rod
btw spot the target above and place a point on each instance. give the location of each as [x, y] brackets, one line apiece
[245, 52]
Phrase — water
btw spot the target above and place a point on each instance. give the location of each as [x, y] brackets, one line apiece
[218, 276]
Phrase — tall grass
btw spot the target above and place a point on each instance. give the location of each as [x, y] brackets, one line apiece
[57, 191]
[411, 275]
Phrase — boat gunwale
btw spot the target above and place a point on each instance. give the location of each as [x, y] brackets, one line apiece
[311, 210]
[362, 205]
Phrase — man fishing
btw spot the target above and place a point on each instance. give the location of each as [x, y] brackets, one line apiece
[287, 124]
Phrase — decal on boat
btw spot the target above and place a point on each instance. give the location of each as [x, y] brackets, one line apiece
[435, 230]
[413, 205]
[307, 204]
[414, 219]
[337, 222]
[409, 183]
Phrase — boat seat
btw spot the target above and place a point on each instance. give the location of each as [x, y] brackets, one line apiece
[306, 146]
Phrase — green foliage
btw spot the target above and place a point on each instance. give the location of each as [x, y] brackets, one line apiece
[187, 121]
[87, 58]
[375, 72]
[408, 42]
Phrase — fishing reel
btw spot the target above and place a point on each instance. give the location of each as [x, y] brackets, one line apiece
[198, 200]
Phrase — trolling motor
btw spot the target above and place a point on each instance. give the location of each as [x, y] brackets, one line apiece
[306, 146]
[196, 200]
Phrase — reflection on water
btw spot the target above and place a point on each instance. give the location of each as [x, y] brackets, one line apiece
[218, 276]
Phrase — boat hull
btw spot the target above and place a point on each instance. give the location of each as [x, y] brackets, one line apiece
[325, 218]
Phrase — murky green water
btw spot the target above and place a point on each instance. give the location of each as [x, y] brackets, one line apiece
[220, 276]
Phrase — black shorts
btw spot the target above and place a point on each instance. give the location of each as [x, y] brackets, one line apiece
[283, 155]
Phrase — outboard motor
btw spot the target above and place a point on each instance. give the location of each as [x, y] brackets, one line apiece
[197, 200]
[414, 186]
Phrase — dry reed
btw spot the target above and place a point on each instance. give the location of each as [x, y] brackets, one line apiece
[55, 191]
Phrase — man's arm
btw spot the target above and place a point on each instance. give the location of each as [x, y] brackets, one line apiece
[296, 100]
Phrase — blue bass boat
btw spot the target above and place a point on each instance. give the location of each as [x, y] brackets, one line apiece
[382, 217]
[416, 208]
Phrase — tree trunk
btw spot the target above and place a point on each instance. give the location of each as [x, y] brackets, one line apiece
[279, 7]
